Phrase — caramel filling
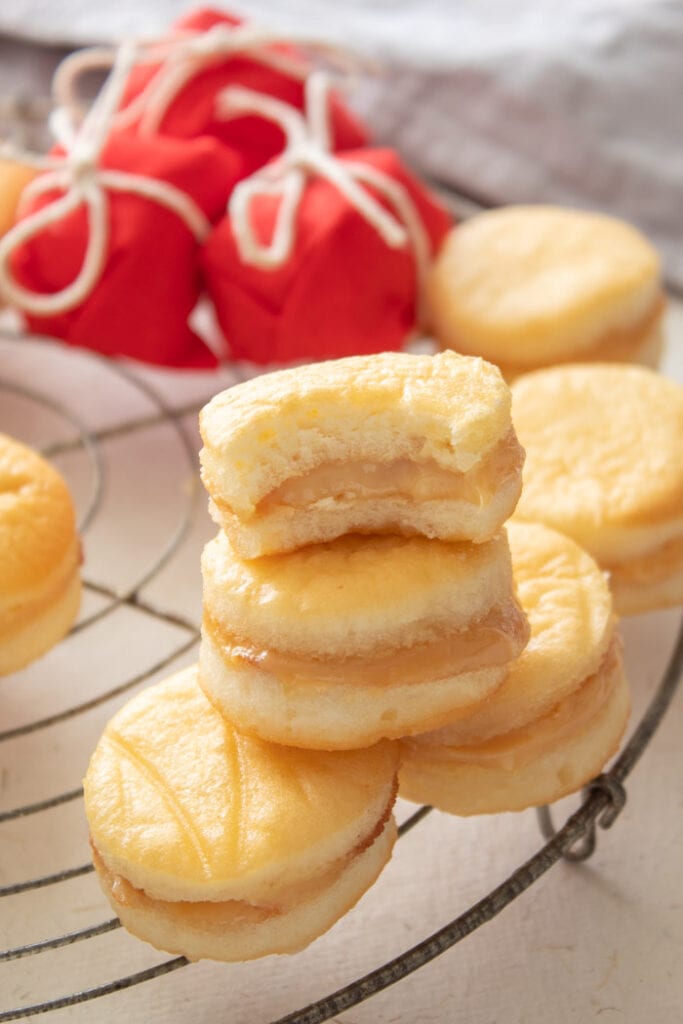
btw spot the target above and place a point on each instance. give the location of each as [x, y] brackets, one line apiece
[402, 479]
[216, 913]
[569, 718]
[495, 640]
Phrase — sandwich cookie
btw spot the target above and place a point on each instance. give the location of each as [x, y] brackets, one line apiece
[214, 845]
[605, 465]
[561, 712]
[40, 555]
[339, 645]
[14, 177]
[391, 443]
[531, 286]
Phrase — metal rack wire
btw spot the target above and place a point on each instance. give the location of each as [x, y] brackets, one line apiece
[575, 839]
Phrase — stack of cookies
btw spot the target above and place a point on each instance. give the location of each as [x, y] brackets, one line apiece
[360, 590]
[359, 610]
[360, 587]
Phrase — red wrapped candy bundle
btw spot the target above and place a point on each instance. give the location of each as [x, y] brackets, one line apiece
[206, 52]
[105, 255]
[323, 251]
[320, 256]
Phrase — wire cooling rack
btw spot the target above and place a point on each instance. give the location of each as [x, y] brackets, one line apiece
[79, 410]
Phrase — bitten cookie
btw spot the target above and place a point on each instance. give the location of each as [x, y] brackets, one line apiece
[561, 712]
[40, 587]
[214, 845]
[605, 465]
[392, 443]
[531, 286]
[339, 645]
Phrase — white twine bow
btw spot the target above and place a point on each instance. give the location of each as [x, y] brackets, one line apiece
[84, 183]
[308, 152]
[183, 57]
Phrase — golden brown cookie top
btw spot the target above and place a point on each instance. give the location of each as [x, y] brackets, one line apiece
[185, 807]
[354, 594]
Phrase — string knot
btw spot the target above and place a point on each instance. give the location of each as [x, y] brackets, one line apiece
[305, 153]
[82, 162]
[85, 183]
[308, 150]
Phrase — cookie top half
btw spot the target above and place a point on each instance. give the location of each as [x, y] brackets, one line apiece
[185, 807]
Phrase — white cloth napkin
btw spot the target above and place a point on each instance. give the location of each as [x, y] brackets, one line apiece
[578, 104]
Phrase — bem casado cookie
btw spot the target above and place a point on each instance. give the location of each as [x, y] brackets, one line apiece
[562, 709]
[214, 845]
[604, 465]
[532, 286]
[392, 443]
[338, 645]
[40, 555]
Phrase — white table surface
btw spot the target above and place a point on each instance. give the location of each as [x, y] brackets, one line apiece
[600, 941]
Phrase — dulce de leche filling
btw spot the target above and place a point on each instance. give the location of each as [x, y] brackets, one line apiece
[569, 718]
[495, 640]
[406, 479]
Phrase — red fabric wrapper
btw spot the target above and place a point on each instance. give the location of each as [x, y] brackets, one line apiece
[192, 111]
[343, 291]
[151, 279]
